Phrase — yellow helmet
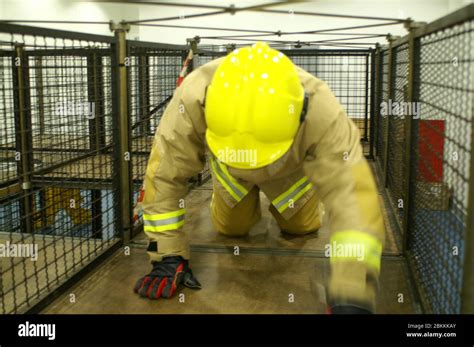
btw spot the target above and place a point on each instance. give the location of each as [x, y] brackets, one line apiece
[253, 107]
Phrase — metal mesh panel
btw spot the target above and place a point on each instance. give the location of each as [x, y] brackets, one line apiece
[164, 71]
[347, 74]
[382, 121]
[396, 128]
[57, 207]
[152, 76]
[440, 168]
[377, 100]
[205, 57]
[152, 80]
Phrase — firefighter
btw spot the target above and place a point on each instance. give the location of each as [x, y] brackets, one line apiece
[269, 126]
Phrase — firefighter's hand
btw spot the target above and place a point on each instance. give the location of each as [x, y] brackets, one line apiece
[165, 278]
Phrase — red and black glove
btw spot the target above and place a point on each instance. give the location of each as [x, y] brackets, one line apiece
[165, 278]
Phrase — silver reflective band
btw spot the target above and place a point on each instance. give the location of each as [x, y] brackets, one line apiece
[292, 194]
[224, 177]
[166, 221]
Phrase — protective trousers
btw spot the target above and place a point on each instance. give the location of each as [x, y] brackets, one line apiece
[238, 220]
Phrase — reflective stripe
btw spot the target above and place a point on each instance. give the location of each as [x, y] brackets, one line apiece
[237, 191]
[164, 221]
[282, 202]
[347, 242]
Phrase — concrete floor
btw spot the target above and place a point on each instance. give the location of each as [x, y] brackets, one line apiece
[270, 269]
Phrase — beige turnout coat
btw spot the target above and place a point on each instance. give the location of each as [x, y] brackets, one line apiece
[325, 159]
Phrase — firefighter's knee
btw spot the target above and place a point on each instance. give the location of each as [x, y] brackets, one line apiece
[302, 226]
[233, 230]
[236, 221]
[231, 225]
[306, 221]
[300, 229]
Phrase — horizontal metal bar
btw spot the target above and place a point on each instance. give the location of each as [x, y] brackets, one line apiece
[343, 43]
[157, 53]
[280, 33]
[340, 45]
[38, 31]
[221, 10]
[77, 183]
[312, 52]
[307, 32]
[52, 21]
[320, 14]
[346, 39]
[204, 52]
[196, 15]
[346, 28]
[277, 33]
[4, 53]
[256, 36]
[253, 40]
[214, 248]
[68, 52]
[191, 5]
[49, 169]
[162, 3]
[203, 28]
[230, 38]
[146, 44]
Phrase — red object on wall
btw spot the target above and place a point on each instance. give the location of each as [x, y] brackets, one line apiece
[431, 150]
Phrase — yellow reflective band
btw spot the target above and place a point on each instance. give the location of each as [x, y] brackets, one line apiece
[297, 190]
[354, 245]
[236, 190]
[223, 182]
[160, 216]
[164, 221]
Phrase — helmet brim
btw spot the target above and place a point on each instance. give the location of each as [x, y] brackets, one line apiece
[251, 154]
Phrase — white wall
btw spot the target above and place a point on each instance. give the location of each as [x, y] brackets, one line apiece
[67, 10]
[420, 10]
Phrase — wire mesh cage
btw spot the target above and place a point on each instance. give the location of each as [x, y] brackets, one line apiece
[377, 100]
[439, 111]
[58, 210]
[347, 72]
[152, 76]
[396, 113]
[440, 168]
[204, 56]
[73, 105]
[382, 121]
[153, 73]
